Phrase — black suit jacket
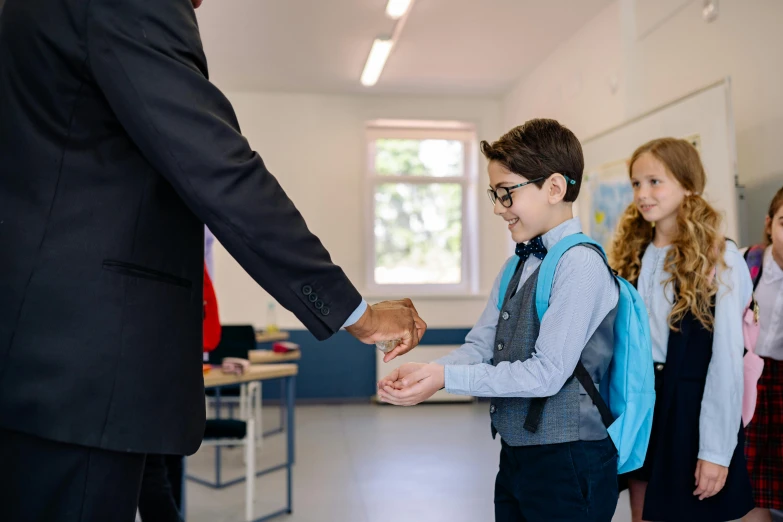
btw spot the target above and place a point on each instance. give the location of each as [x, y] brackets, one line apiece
[114, 149]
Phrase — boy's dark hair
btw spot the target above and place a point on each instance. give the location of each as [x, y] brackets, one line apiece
[540, 148]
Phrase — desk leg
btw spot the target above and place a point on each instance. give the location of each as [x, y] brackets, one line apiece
[217, 448]
[282, 406]
[281, 427]
[250, 468]
[290, 423]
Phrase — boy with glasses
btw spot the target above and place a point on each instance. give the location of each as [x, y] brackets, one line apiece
[563, 466]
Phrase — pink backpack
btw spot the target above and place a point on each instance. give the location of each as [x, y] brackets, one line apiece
[753, 364]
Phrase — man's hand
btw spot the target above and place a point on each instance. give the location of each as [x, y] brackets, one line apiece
[390, 320]
[710, 479]
[394, 379]
[414, 387]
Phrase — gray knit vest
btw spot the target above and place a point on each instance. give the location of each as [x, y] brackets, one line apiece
[570, 414]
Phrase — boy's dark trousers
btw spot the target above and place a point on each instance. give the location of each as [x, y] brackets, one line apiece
[568, 482]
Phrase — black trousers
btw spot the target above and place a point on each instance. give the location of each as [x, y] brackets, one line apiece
[161, 489]
[568, 482]
[47, 481]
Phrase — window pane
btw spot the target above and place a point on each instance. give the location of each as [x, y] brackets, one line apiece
[419, 157]
[418, 233]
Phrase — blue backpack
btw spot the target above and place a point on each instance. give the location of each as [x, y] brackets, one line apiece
[627, 396]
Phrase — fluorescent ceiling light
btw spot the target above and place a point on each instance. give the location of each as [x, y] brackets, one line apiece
[396, 8]
[381, 48]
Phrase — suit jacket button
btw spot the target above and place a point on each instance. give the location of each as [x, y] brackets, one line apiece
[492, 409]
[313, 298]
[325, 311]
[505, 316]
[319, 304]
[307, 289]
[501, 346]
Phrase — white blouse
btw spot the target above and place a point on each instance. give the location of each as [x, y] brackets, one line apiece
[721, 406]
[769, 297]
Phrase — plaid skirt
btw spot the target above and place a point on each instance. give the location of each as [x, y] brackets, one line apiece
[764, 439]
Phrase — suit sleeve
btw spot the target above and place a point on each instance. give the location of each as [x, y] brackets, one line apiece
[147, 59]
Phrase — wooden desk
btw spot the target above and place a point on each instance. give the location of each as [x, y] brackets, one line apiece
[270, 357]
[215, 378]
[264, 337]
[257, 372]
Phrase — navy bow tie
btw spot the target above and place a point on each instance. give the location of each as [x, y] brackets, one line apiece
[534, 247]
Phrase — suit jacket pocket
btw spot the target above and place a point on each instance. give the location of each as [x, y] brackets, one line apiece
[131, 270]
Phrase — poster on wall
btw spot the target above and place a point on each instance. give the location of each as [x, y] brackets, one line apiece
[695, 140]
[608, 194]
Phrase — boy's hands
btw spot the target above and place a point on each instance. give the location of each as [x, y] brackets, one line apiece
[411, 384]
[710, 479]
[394, 379]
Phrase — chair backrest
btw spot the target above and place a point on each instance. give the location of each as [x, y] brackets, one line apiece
[235, 341]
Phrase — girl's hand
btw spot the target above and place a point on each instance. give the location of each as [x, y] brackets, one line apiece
[710, 479]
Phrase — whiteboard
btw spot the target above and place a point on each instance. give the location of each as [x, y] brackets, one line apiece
[704, 117]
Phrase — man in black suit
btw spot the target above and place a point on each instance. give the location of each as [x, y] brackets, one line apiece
[114, 149]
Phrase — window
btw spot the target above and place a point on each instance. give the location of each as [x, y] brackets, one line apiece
[422, 197]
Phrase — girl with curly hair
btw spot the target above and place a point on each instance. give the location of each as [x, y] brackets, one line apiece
[696, 286]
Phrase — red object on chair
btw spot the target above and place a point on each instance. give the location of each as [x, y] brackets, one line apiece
[212, 328]
[284, 347]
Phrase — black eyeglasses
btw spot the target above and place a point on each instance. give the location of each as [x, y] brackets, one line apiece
[504, 193]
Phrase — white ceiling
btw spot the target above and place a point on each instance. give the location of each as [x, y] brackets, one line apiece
[473, 47]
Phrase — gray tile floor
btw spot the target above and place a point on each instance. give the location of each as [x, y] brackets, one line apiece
[369, 463]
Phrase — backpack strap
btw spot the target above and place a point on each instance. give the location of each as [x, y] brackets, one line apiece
[754, 258]
[534, 412]
[546, 278]
[536, 409]
[546, 274]
[584, 378]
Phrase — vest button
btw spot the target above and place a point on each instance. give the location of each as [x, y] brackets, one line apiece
[492, 409]
[505, 316]
[501, 346]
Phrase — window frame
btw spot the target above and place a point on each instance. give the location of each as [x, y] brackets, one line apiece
[421, 130]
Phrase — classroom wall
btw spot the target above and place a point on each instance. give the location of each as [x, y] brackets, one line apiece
[315, 145]
[632, 57]
[639, 54]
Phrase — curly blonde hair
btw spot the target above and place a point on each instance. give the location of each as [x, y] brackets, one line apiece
[697, 250]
